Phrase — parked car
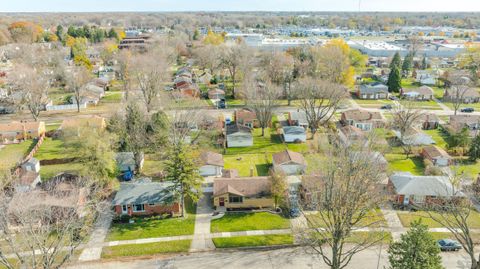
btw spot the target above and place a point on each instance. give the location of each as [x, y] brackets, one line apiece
[449, 245]
[386, 107]
[467, 110]
[295, 212]
[394, 98]
[222, 104]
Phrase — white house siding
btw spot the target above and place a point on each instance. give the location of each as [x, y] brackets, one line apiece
[441, 162]
[293, 138]
[210, 170]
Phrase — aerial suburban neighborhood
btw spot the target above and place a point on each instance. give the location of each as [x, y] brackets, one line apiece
[241, 139]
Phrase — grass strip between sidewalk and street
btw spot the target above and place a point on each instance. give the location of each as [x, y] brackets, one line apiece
[146, 249]
[253, 241]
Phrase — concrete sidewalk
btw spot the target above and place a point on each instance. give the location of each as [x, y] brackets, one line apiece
[201, 238]
[93, 249]
[393, 221]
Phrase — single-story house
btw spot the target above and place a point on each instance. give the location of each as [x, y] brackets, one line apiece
[458, 122]
[425, 77]
[437, 155]
[21, 130]
[216, 94]
[407, 189]
[351, 134]
[126, 161]
[152, 198]
[415, 137]
[294, 134]
[212, 164]
[423, 93]
[429, 121]
[297, 118]
[238, 136]
[27, 181]
[375, 157]
[192, 91]
[363, 119]
[93, 121]
[373, 91]
[467, 96]
[246, 117]
[242, 193]
[289, 162]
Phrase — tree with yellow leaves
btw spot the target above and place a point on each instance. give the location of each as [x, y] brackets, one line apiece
[214, 38]
[470, 59]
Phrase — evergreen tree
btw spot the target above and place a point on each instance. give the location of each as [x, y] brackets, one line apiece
[394, 82]
[474, 151]
[181, 170]
[196, 35]
[424, 63]
[71, 31]
[407, 65]
[112, 34]
[396, 61]
[59, 32]
[417, 249]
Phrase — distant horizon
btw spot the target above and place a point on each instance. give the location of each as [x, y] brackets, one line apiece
[112, 6]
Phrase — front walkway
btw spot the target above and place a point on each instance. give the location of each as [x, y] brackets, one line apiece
[393, 222]
[93, 249]
[442, 105]
[202, 240]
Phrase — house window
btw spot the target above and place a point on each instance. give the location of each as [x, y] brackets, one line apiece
[249, 125]
[138, 208]
[151, 204]
[418, 199]
[235, 199]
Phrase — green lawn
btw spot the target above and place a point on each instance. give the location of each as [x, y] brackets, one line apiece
[439, 137]
[360, 237]
[49, 171]
[438, 236]
[270, 142]
[53, 149]
[407, 217]
[476, 106]
[373, 219]
[253, 241]
[52, 126]
[471, 169]
[146, 249]
[234, 222]
[148, 228]
[244, 162]
[438, 92]
[373, 103]
[112, 97]
[428, 105]
[398, 162]
[11, 154]
[152, 166]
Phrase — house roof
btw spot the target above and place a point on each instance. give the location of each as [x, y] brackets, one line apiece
[236, 128]
[216, 91]
[436, 152]
[144, 193]
[93, 121]
[469, 93]
[245, 115]
[211, 158]
[373, 88]
[293, 130]
[429, 117]
[361, 115]
[19, 126]
[27, 178]
[424, 90]
[352, 131]
[407, 184]
[464, 119]
[301, 117]
[415, 137]
[288, 156]
[229, 173]
[245, 186]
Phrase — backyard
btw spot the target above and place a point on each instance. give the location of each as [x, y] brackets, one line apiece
[11, 154]
[398, 162]
[234, 222]
[153, 227]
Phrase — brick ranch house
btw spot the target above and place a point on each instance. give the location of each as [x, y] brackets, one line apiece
[144, 199]
[242, 193]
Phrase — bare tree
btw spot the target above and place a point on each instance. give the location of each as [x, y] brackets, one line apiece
[455, 214]
[262, 98]
[330, 63]
[405, 119]
[124, 63]
[42, 228]
[77, 79]
[33, 84]
[318, 99]
[234, 58]
[280, 67]
[343, 194]
[458, 86]
[150, 72]
[207, 58]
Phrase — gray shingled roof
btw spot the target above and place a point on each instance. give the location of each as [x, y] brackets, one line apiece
[408, 184]
[144, 193]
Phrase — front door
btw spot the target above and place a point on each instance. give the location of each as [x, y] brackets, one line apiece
[124, 209]
[221, 201]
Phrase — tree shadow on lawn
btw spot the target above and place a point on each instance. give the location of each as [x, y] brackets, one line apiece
[262, 169]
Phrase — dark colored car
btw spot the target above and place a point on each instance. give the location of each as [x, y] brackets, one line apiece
[295, 212]
[467, 110]
[394, 98]
[449, 245]
[386, 107]
[222, 104]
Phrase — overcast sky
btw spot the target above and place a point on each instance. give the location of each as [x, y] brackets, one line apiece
[236, 5]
